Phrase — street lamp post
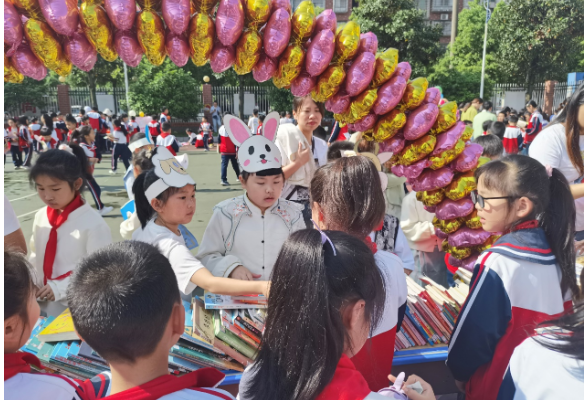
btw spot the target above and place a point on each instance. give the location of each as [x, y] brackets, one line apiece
[126, 85]
[487, 7]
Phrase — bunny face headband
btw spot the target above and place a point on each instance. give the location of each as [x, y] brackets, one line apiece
[378, 160]
[256, 152]
[169, 171]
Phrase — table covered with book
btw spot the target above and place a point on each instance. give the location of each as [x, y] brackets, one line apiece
[224, 332]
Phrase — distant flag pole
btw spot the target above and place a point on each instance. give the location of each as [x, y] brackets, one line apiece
[486, 6]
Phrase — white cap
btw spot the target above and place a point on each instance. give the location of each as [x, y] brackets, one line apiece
[132, 113]
[107, 112]
[88, 109]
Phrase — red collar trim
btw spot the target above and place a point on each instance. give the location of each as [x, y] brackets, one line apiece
[164, 135]
[15, 363]
[525, 225]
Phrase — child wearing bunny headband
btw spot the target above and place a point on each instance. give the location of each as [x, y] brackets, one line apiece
[245, 233]
[165, 198]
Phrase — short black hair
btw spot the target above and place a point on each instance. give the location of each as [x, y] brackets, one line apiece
[163, 108]
[18, 284]
[283, 114]
[336, 148]
[492, 145]
[255, 111]
[532, 103]
[44, 131]
[34, 119]
[124, 115]
[262, 118]
[265, 172]
[166, 126]
[60, 165]
[95, 108]
[121, 298]
[513, 119]
[486, 125]
[70, 118]
[487, 105]
[133, 118]
[497, 128]
[82, 112]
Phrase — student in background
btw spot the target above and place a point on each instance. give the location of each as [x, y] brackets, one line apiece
[535, 125]
[70, 123]
[347, 195]
[164, 117]
[138, 142]
[283, 119]
[486, 126]
[140, 163]
[337, 149]
[228, 153]
[60, 127]
[48, 123]
[65, 230]
[25, 141]
[205, 129]
[493, 148]
[312, 358]
[192, 136]
[35, 130]
[95, 119]
[121, 146]
[133, 126]
[339, 134]
[253, 123]
[497, 129]
[264, 221]
[527, 277]
[12, 137]
[153, 128]
[48, 142]
[21, 312]
[513, 137]
[260, 127]
[167, 140]
[111, 285]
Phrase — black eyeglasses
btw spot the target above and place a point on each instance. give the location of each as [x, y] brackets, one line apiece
[477, 199]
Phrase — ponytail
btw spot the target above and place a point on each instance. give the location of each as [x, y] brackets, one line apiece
[81, 156]
[118, 123]
[143, 207]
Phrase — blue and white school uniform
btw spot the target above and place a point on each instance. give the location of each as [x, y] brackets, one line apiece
[120, 149]
[168, 141]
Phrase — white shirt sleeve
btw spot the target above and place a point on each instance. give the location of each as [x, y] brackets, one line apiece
[183, 263]
[547, 149]
[402, 250]
[10, 221]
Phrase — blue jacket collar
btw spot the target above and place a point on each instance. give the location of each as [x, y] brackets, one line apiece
[526, 244]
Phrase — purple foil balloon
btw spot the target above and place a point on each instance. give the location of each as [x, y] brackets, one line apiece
[394, 144]
[448, 139]
[404, 70]
[61, 15]
[433, 96]
[265, 68]
[470, 262]
[365, 123]
[467, 237]
[442, 235]
[80, 51]
[397, 170]
[338, 103]
[230, 19]
[420, 121]
[303, 84]
[430, 209]
[468, 159]
[128, 48]
[456, 262]
[176, 14]
[432, 179]
[413, 171]
[276, 33]
[13, 31]
[326, 20]
[121, 13]
[177, 48]
[449, 209]
[285, 4]
[320, 52]
[360, 74]
[27, 63]
[368, 42]
[389, 95]
[222, 57]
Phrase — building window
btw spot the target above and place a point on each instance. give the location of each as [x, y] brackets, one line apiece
[445, 25]
[317, 3]
[421, 5]
[441, 5]
[340, 6]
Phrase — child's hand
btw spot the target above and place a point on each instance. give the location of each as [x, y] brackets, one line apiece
[46, 293]
[413, 394]
[243, 274]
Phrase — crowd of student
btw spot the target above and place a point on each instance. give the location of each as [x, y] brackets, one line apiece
[327, 235]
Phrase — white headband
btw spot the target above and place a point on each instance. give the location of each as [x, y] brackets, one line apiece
[139, 143]
[170, 171]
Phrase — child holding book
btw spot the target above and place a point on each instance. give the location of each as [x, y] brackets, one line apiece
[245, 233]
[527, 277]
[65, 230]
[347, 195]
[328, 295]
[21, 312]
[125, 304]
[165, 198]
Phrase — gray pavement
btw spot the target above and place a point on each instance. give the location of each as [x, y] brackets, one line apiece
[203, 167]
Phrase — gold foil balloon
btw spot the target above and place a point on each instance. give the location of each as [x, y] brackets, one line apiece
[205, 6]
[154, 5]
[446, 119]
[448, 226]
[386, 63]
[29, 8]
[417, 150]
[431, 198]
[472, 221]
[347, 41]
[46, 47]
[488, 243]
[248, 51]
[467, 134]
[388, 125]
[482, 161]
[290, 66]
[414, 94]
[447, 156]
[458, 252]
[303, 21]
[201, 38]
[151, 35]
[461, 186]
[10, 73]
[257, 12]
[96, 26]
[328, 83]
[361, 105]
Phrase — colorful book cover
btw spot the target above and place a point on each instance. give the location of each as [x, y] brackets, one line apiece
[231, 328]
[419, 327]
[231, 352]
[34, 344]
[87, 352]
[217, 302]
[62, 328]
[232, 340]
[249, 326]
[247, 317]
[247, 332]
[189, 334]
[407, 337]
[211, 360]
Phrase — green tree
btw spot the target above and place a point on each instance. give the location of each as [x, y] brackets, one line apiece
[104, 74]
[29, 91]
[538, 40]
[280, 99]
[398, 24]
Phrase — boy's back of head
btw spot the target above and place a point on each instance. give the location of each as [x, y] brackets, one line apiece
[262, 118]
[336, 148]
[497, 129]
[121, 299]
[486, 125]
[154, 118]
[492, 144]
[166, 127]
[513, 119]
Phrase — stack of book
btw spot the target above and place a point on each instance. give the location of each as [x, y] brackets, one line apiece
[431, 311]
[224, 338]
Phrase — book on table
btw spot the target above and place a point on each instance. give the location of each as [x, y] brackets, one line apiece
[62, 328]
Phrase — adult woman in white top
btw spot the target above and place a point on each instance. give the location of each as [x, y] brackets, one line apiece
[561, 146]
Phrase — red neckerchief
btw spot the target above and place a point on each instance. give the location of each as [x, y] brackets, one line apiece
[163, 135]
[531, 224]
[167, 384]
[347, 383]
[15, 363]
[56, 220]
[373, 247]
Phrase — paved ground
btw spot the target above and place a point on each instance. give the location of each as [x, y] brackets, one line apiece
[203, 167]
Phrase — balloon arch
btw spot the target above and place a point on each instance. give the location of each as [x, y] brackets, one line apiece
[367, 89]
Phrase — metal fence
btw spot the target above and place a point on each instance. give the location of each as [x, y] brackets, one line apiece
[81, 97]
[501, 92]
[225, 97]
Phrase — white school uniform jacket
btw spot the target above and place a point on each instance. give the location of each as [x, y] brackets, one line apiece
[238, 234]
[83, 233]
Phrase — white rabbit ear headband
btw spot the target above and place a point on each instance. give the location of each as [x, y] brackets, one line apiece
[256, 152]
[169, 171]
[376, 160]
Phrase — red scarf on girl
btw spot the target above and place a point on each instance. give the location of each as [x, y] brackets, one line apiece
[368, 240]
[347, 383]
[15, 363]
[57, 219]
